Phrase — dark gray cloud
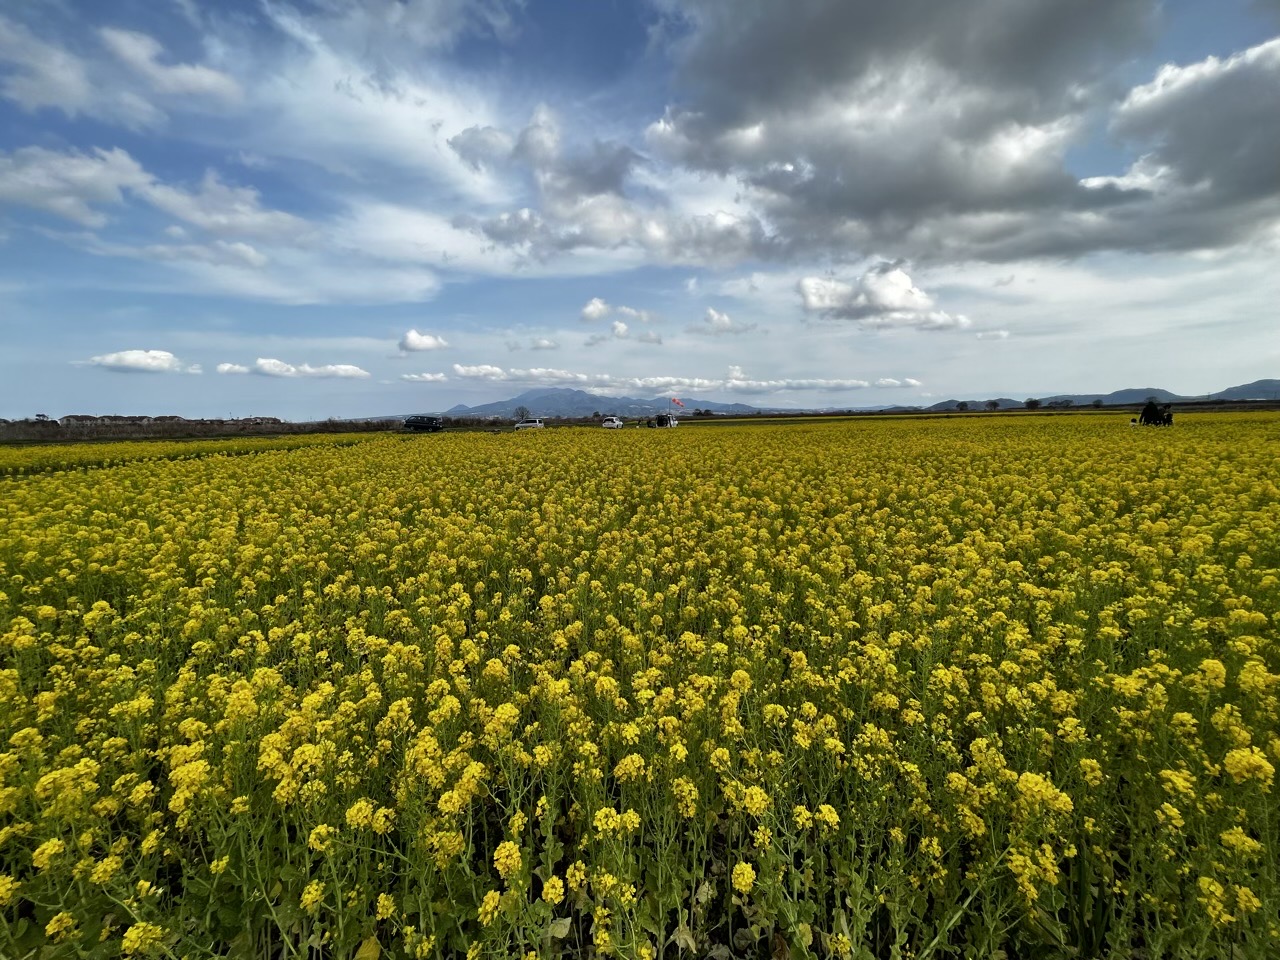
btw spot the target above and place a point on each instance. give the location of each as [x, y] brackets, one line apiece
[1214, 124]
[942, 131]
[742, 57]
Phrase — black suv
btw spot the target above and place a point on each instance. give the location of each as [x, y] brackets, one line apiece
[429, 424]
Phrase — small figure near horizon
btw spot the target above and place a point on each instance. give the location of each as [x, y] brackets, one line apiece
[1154, 416]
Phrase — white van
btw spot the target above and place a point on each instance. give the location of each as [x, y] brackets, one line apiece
[533, 423]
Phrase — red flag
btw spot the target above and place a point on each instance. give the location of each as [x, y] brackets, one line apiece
[678, 403]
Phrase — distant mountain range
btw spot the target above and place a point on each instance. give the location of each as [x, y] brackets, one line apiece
[567, 402]
[1258, 390]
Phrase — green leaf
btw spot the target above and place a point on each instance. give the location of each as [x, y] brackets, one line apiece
[684, 938]
[560, 928]
[805, 934]
[371, 949]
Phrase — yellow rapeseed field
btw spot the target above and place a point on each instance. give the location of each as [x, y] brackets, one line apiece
[960, 687]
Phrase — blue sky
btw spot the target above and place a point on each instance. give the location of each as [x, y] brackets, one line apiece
[332, 208]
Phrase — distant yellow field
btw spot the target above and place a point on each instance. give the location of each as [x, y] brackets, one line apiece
[962, 687]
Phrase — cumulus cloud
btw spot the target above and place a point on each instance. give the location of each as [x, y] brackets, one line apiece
[480, 371]
[618, 330]
[413, 341]
[1211, 122]
[142, 361]
[716, 323]
[601, 196]
[863, 125]
[544, 343]
[142, 54]
[269, 367]
[631, 313]
[883, 297]
[236, 368]
[424, 377]
[596, 309]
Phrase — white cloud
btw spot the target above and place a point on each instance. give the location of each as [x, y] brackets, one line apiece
[596, 309]
[882, 297]
[424, 377]
[482, 371]
[68, 184]
[544, 343]
[716, 323]
[223, 209]
[226, 253]
[414, 341]
[321, 101]
[41, 75]
[142, 361]
[993, 334]
[232, 368]
[268, 367]
[618, 330]
[735, 382]
[141, 53]
[37, 76]
[632, 313]
[888, 382]
[911, 382]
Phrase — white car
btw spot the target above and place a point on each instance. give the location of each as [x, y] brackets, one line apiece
[611, 423]
[532, 423]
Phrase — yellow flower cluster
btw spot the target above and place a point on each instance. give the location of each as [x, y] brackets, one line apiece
[855, 686]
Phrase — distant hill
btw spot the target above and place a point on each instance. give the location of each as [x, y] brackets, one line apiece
[1117, 398]
[567, 402]
[1004, 402]
[570, 403]
[1258, 390]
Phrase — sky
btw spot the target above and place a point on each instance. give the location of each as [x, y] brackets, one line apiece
[347, 208]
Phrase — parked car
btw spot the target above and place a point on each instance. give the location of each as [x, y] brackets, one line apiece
[421, 423]
[531, 423]
[612, 423]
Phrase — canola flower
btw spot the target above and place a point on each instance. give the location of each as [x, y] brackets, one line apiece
[1006, 684]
